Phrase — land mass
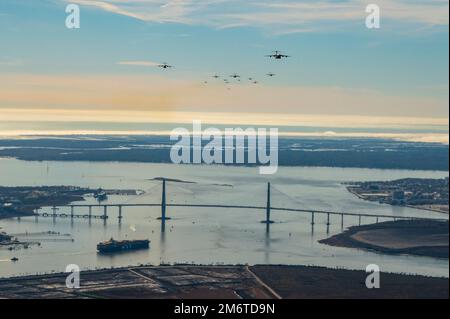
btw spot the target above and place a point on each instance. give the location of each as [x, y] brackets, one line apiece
[421, 193]
[173, 180]
[224, 282]
[413, 237]
[317, 152]
[22, 201]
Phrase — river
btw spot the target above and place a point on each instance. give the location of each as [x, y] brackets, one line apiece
[206, 236]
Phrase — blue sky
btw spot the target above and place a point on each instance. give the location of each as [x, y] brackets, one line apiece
[401, 69]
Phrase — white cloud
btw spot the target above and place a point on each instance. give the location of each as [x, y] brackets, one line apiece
[279, 16]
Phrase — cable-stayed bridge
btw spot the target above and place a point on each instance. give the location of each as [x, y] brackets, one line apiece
[87, 210]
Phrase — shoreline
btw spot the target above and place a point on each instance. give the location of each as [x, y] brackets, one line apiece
[22, 206]
[351, 191]
[338, 153]
[397, 238]
[424, 170]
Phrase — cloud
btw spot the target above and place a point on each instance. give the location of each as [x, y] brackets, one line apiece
[278, 16]
[160, 93]
[139, 63]
[353, 126]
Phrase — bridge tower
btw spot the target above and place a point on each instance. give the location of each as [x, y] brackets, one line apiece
[268, 208]
[163, 201]
[163, 217]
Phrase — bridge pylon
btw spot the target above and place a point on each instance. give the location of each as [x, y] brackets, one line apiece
[163, 217]
[267, 221]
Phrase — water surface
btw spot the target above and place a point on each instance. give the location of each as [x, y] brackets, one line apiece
[207, 236]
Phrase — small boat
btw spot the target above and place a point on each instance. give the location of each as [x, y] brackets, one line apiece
[100, 195]
[14, 259]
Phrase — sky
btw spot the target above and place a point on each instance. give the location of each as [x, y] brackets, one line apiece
[339, 70]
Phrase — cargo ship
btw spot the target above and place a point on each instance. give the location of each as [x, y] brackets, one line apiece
[113, 246]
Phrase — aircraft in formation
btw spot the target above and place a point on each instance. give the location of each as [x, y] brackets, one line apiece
[277, 55]
[165, 66]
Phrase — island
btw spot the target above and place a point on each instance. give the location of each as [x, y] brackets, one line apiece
[413, 237]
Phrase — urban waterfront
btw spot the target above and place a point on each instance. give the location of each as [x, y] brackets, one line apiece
[206, 235]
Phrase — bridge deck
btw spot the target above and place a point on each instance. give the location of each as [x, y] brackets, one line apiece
[78, 216]
[309, 211]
